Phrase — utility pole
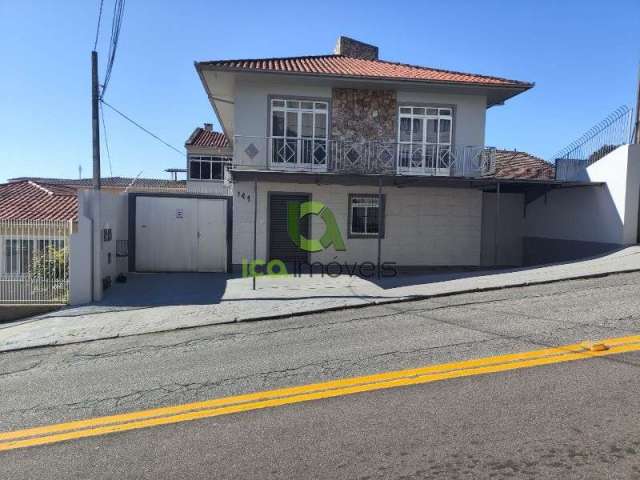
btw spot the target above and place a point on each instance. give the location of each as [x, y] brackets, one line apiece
[96, 234]
[95, 125]
[636, 130]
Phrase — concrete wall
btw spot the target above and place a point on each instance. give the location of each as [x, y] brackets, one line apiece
[582, 221]
[251, 101]
[114, 215]
[209, 187]
[101, 210]
[80, 262]
[214, 151]
[423, 226]
[9, 313]
[510, 234]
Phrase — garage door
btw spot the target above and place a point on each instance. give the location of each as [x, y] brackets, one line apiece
[181, 234]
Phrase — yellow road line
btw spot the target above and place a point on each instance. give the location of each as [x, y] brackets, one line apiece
[273, 398]
[287, 392]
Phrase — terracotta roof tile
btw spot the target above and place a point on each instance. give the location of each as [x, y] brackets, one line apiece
[339, 65]
[515, 164]
[207, 138]
[29, 200]
[116, 182]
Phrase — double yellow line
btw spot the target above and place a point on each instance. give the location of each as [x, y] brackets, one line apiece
[285, 396]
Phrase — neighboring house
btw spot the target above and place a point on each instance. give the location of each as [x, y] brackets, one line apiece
[209, 156]
[515, 164]
[113, 184]
[30, 200]
[337, 128]
[33, 217]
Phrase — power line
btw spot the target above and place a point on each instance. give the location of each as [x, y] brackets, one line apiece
[95, 44]
[182, 153]
[116, 25]
[106, 140]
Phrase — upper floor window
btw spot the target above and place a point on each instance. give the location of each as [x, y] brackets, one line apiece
[299, 131]
[425, 135]
[208, 167]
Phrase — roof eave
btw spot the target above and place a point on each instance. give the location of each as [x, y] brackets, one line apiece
[522, 86]
[199, 69]
[192, 137]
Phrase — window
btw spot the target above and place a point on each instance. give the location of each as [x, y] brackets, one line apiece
[363, 216]
[18, 256]
[19, 253]
[425, 135]
[299, 133]
[206, 167]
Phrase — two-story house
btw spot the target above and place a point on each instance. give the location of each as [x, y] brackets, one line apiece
[396, 152]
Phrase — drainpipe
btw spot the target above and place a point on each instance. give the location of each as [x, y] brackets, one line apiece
[255, 228]
[636, 136]
[93, 256]
[496, 236]
[380, 220]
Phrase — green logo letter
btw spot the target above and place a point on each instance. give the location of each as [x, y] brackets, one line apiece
[297, 211]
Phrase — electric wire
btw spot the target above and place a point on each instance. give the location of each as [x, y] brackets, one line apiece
[116, 25]
[182, 153]
[106, 140]
[95, 43]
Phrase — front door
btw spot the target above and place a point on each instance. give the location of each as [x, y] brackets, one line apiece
[281, 247]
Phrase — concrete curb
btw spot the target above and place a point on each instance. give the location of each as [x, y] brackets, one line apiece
[10, 312]
[406, 299]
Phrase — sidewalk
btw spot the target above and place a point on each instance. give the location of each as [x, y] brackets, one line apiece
[155, 303]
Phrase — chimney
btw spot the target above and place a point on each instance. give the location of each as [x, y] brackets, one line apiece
[208, 127]
[353, 48]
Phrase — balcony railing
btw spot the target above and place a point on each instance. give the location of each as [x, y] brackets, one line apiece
[361, 157]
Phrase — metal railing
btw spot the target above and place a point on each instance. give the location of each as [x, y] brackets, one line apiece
[362, 157]
[34, 261]
[603, 138]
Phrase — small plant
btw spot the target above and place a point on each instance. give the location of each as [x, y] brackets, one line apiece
[51, 263]
[49, 271]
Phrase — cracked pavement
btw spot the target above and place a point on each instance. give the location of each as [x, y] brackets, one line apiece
[153, 303]
[62, 383]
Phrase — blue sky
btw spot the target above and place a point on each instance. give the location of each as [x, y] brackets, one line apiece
[583, 56]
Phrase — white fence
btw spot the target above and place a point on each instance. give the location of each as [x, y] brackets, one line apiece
[34, 261]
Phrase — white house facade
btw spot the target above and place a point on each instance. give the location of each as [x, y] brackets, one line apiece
[396, 152]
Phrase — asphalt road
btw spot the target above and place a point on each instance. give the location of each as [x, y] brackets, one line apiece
[574, 420]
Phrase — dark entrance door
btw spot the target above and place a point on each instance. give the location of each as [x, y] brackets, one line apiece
[281, 247]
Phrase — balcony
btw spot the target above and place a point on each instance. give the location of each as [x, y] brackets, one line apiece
[361, 157]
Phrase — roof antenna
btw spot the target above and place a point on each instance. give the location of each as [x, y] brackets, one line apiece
[132, 182]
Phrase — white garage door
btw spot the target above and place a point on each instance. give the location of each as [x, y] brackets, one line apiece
[181, 234]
